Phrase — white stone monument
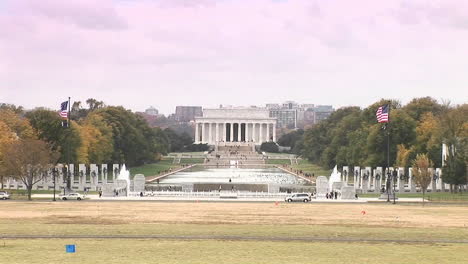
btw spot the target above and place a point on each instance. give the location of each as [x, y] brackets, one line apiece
[321, 186]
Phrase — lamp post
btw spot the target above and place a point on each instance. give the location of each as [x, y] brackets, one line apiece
[387, 185]
[394, 178]
[54, 175]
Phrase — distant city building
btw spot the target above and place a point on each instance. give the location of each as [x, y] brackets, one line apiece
[187, 113]
[322, 112]
[285, 117]
[152, 111]
[293, 115]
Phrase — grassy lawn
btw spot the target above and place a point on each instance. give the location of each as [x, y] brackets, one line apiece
[154, 168]
[191, 160]
[278, 161]
[326, 221]
[164, 164]
[187, 153]
[308, 167]
[432, 196]
[208, 251]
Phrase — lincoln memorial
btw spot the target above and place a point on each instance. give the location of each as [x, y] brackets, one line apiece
[235, 125]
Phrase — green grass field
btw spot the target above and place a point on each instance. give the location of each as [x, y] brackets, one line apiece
[203, 251]
[191, 160]
[153, 168]
[431, 196]
[278, 161]
[211, 221]
[311, 168]
[164, 164]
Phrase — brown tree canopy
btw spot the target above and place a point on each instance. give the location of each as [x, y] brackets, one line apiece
[28, 160]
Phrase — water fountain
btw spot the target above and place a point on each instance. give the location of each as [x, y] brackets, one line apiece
[124, 174]
[334, 177]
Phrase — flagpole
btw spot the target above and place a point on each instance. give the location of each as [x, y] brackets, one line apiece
[388, 153]
[387, 126]
[68, 146]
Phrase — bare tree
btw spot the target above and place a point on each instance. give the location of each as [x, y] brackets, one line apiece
[422, 176]
[28, 161]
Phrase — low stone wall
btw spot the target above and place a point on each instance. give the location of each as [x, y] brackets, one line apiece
[207, 187]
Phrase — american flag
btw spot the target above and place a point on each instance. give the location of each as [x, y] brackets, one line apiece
[63, 110]
[382, 114]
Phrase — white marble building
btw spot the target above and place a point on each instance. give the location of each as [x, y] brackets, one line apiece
[235, 125]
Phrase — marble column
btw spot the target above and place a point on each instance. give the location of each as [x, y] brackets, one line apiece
[217, 132]
[274, 132]
[267, 132]
[232, 132]
[253, 133]
[203, 137]
[239, 132]
[225, 138]
[247, 132]
[260, 134]
[210, 135]
[197, 137]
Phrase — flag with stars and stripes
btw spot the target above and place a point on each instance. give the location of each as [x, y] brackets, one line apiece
[382, 114]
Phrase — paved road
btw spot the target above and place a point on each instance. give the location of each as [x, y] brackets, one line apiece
[237, 238]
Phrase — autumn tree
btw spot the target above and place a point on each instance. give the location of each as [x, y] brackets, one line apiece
[7, 136]
[28, 161]
[48, 126]
[96, 140]
[454, 134]
[429, 137]
[421, 174]
[12, 128]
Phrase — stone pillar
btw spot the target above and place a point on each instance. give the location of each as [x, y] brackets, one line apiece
[379, 176]
[356, 173]
[203, 137]
[253, 133]
[260, 134]
[369, 177]
[232, 132]
[411, 183]
[217, 132]
[104, 173]
[225, 138]
[267, 132]
[239, 132]
[344, 174]
[197, 136]
[439, 182]
[433, 180]
[210, 135]
[115, 171]
[274, 132]
[401, 184]
[247, 132]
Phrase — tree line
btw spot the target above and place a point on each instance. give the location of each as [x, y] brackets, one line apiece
[33, 142]
[352, 136]
[96, 134]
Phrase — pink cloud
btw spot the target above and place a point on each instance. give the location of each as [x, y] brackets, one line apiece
[206, 47]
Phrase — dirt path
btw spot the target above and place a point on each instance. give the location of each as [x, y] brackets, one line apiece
[236, 238]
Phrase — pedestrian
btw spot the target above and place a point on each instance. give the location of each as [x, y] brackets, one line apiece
[100, 193]
[336, 195]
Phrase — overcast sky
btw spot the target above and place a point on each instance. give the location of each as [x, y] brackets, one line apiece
[164, 53]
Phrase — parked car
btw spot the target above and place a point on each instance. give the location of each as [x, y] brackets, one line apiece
[4, 195]
[72, 196]
[298, 197]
